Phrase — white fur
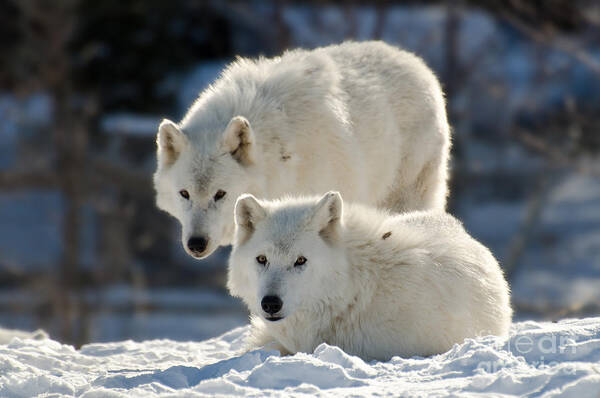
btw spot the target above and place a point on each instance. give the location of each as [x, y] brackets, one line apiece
[374, 284]
[366, 119]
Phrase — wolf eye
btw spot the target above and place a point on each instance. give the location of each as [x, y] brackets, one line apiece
[219, 195]
[184, 194]
[300, 261]
[262, 260]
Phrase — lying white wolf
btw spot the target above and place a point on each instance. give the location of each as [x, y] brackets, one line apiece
[374, 284]
[365, 119]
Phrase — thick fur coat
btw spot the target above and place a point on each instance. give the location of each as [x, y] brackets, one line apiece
[377, 285]
[365, 119]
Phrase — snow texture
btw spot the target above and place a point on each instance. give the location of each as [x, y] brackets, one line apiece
[538, 359]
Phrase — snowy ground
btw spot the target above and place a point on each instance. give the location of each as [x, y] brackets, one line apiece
[548, 359]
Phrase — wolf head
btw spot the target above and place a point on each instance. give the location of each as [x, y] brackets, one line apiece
[198, 182]
[286, 254]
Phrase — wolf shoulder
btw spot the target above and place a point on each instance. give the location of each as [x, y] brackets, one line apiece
[393, 238]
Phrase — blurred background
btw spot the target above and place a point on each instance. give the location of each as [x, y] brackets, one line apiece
[85, 253]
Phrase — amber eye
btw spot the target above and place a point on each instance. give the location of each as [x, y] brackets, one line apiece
[262, 260]
[219, 195]
[184, 194]
[300, 261]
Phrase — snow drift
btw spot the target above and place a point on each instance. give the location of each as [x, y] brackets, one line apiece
[548, 359]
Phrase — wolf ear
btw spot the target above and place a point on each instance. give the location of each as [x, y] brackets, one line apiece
[238, 140]
[170, 142]
[248, 213]
[327, 216]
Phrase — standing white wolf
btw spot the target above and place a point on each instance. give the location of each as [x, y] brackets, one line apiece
[365, 119]
[373, 284]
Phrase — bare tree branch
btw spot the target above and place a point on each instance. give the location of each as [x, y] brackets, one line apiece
[520, 241]
[568, 47]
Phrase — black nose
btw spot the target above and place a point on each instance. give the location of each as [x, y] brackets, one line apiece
[271, 304]
[197, 244]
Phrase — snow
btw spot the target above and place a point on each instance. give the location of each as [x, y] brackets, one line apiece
[559, 268]
[541, 359]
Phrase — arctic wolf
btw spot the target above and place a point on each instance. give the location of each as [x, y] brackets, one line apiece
[365, 119]
[374, 284]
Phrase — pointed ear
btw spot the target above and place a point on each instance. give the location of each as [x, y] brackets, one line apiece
[238, 139]
[248, 213]
[327, 216]
[170, 141]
